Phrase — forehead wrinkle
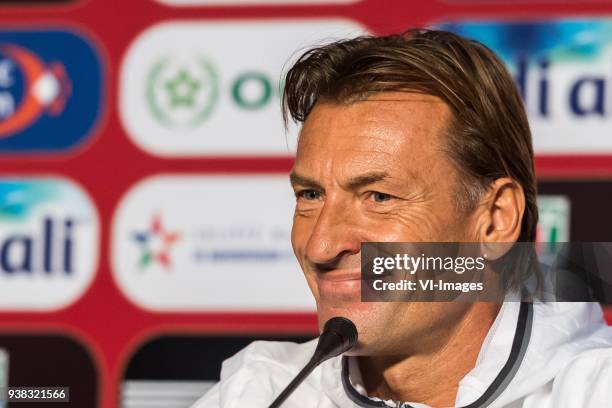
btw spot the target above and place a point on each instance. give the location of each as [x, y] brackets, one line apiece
[375, 132]
[343, 169]
[382, 141]
[387, 163]
[397, 176]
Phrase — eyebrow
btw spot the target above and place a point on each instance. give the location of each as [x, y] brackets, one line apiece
[297, 179]
[363, 180]
[354, 183]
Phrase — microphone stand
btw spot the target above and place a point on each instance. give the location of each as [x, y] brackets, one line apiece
[305, 372]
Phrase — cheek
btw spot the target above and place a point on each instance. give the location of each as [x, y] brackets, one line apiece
[299, 240]
[300, 232]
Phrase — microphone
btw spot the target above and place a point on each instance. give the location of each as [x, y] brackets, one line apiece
[339, 335]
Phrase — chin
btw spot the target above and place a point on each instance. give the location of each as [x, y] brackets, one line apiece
[364, 315]
[356, 312]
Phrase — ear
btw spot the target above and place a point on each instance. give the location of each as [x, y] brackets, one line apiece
[501, 212]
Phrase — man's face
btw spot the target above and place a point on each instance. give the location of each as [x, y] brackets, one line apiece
[374, 171]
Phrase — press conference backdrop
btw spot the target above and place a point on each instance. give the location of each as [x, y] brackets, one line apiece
[145, 210]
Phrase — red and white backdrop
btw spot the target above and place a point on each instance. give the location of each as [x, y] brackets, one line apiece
[144, 204]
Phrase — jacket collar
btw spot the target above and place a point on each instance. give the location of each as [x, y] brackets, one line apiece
[518, 315]
[525, 348]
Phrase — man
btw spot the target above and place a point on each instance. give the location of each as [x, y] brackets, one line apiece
[406, 138]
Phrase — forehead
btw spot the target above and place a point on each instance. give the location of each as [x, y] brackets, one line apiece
[386, 127]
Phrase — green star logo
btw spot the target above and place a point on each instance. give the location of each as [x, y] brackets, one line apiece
[182, 89]
[182, 92]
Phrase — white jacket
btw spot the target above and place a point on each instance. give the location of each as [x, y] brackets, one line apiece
[552, 355]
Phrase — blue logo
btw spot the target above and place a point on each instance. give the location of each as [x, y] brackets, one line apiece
[560, 66]
[51, 86]
[40, 220]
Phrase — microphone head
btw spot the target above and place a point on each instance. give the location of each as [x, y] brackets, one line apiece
[343, 328]
[339, 335]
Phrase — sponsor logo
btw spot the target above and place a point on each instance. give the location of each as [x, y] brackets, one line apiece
[208, 243]
[194, 89]
[553, 226]
[181, 93]
[155, 244]
[48, 243]
[50, 90]
[554, 219]
[562, 69]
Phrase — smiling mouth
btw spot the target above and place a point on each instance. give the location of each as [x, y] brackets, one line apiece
[339, 276]
[350, 275]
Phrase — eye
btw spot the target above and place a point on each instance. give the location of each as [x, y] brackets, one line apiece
[308, 195]
[381, 197]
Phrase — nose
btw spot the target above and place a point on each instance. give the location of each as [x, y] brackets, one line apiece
[335, 235]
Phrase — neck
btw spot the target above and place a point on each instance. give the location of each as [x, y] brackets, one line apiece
[431, 377]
